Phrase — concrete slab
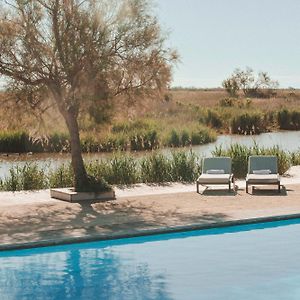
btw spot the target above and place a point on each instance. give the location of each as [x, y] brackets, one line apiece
[69, 194]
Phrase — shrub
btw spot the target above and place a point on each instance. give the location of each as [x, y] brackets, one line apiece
[202, 135]
[124, 169]
[120, 169]
[26, 177]
[13, 141]
[143, 140]
[58, 142]
[185, 138]
[213, 119]
[227, 102]
[248, 123]
[184, 166]
[155, 168]
[288, 119]
[61, 176]
[174, 139]
[240, 155]
[115, 142]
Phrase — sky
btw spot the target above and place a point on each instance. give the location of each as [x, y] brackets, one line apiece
[214, 37]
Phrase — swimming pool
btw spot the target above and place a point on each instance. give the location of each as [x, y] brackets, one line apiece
[259, 261]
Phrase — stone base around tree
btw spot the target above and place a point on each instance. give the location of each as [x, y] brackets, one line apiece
[68, 194]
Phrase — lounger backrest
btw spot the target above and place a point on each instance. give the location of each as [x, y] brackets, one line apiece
[261, 162]
[217, 163]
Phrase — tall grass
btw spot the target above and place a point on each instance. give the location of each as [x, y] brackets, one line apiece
[240, 155]
[156, 168]
[182, 166]
[237, 120]
[61, 176]
[288, 119]
[120, 169]
[248, 123]
[27, 177]
[196, 135]
[13, 141]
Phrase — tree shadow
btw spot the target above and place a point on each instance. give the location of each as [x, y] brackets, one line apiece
[96, 218]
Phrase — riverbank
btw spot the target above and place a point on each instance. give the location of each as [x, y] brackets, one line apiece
[32, 218]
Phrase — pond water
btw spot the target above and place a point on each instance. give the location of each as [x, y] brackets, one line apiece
[286, 140]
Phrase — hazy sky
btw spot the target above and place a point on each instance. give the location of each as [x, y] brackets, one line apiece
[213, 37]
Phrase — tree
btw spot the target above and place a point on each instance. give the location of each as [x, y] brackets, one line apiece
[245, 80]
[231, 86]
[82, 53]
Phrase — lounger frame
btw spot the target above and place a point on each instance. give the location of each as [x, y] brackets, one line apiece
[216, 163]
[257, 162]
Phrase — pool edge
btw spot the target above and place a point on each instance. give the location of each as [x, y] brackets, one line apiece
[144, 232]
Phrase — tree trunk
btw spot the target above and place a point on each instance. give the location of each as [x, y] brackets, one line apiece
[81, 180]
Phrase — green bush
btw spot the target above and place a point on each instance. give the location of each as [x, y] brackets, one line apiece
[288, 119]
[248, 123]
[213, 119]
[174, 139]
[13, 142]
[240, 154]
[202, 135]
[155, 168]
[184, 166]
[185, 138]
[61, 176]
[26, 177]
[143, 140]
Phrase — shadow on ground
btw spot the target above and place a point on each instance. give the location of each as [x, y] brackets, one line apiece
[269, 191]
[94, 218]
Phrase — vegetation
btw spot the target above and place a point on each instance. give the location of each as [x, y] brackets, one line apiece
[92, 52]
[289, 119]
[135, 138]
[244, 80]
[240, 155]
[124, 169]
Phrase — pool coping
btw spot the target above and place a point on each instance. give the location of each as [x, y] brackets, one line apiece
[143, 232]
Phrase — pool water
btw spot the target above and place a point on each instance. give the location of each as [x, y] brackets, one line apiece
[258, 261]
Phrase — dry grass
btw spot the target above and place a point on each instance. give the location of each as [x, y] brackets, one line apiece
[180, 107]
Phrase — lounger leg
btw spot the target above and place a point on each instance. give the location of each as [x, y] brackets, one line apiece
[197, 185]
[278, 187]
[246, 187]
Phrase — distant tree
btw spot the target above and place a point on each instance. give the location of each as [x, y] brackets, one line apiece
[81, 54]
[245, 80]
[231, 86]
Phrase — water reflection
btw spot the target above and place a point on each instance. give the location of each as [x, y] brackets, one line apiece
[80, 274]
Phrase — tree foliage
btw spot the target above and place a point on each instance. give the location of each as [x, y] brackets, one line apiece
[80, 54]
[251, 86]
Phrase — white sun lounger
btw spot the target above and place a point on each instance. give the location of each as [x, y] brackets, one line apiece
[216, 170]
[262, 170]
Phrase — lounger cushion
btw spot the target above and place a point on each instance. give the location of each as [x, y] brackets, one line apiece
[263, 178]
[263, 172]
[214, 178]
[215, 171]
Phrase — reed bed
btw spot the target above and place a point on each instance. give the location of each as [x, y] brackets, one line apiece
[124, 169]
[240, 155]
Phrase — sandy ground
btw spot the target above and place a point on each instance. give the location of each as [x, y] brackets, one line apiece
[33, 217]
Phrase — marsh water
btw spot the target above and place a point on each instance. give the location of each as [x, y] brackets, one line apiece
[286, 140]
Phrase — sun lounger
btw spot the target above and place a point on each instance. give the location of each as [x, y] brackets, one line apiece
[216, 170]
[262, 170]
